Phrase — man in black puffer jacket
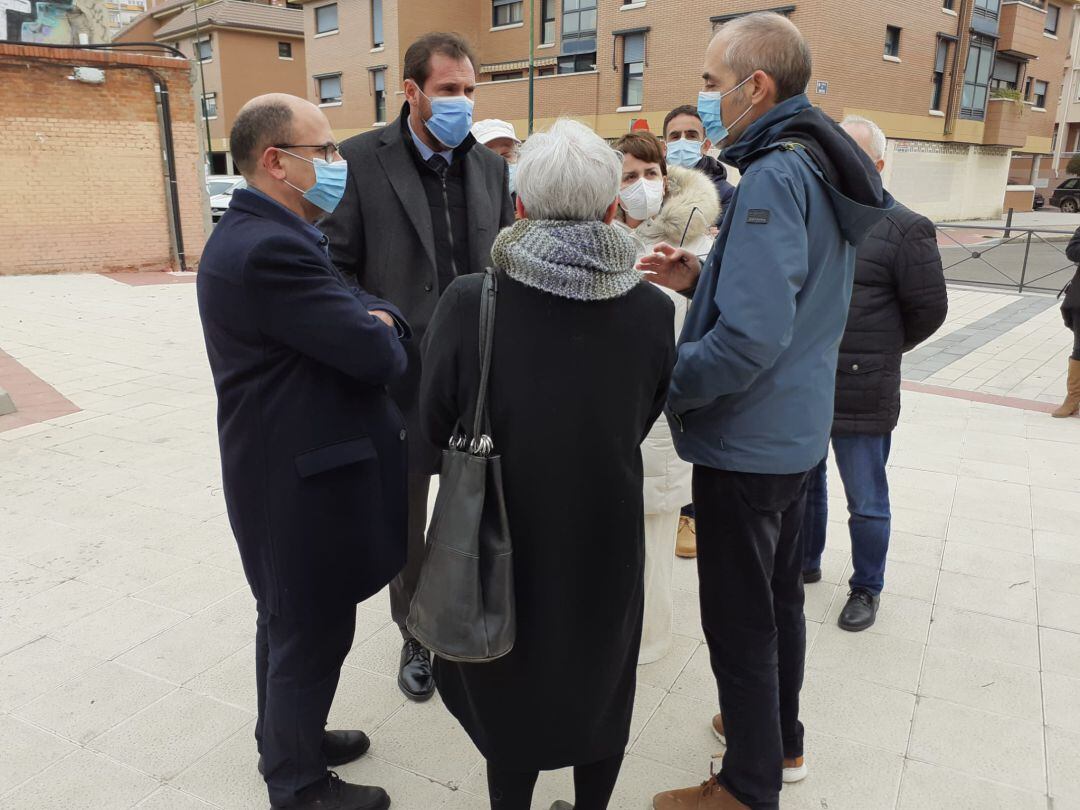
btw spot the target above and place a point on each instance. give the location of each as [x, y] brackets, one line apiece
[898, 301]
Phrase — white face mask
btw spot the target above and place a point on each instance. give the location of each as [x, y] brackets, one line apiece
[642, 198]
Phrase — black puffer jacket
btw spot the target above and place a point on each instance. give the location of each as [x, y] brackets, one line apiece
[898, 301]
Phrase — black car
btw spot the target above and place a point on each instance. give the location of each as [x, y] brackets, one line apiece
[1067, 196]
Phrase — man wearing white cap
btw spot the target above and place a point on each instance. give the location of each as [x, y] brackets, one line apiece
[500, 138]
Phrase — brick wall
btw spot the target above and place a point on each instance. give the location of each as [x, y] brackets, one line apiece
[83, 186]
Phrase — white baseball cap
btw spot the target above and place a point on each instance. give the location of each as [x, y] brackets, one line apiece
[492, 129]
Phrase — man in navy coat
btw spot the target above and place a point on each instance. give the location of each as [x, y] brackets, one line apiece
[313, 450]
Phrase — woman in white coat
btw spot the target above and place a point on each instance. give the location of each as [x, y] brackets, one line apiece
[661, 203]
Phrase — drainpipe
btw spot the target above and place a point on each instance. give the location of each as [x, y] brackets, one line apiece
[1069, 91]
[950, 110]
[162, 90]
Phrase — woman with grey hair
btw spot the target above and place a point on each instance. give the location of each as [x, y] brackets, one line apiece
[583, 351]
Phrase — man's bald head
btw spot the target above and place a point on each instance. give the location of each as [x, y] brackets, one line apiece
[868, 136]
[267, 120]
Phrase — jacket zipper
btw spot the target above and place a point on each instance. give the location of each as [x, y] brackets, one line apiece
[678, 419]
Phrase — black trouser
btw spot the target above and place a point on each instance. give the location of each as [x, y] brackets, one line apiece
[297, 665]
[750, 568]
[404, 585]
[593, 785]
[1076, 337]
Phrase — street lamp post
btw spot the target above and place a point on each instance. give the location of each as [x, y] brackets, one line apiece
[532, 61]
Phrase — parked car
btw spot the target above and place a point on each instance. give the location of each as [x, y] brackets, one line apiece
[1038, 201]
[220, 187]
[1067, 196]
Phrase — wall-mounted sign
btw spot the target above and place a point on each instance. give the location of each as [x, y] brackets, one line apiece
[823, 87]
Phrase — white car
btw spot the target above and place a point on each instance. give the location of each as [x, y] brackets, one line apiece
[220, 187]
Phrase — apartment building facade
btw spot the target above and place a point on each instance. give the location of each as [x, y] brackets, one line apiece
[959, 86]
[241, 49]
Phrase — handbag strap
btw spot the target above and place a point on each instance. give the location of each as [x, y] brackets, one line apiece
[482, 443]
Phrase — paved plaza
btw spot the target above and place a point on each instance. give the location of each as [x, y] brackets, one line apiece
[126, 626]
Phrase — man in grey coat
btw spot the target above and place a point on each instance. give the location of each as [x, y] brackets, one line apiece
[421, 207]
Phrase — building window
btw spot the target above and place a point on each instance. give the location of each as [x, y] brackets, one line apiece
[546, 71]
[980, 61]
[948, 4]
[376, 24]
[547, 14]
[284, 50]
[1037, 93]
[892, 41]
[1006, 75]
[940, 60]
[326, 19]
[577, 63]
[988, 8]
[579, 27]
[294, 6]
[506, 12]
[633, 84]
[329, 89]
[209, 105]
[204, 50]
[1053, 14]
[379, 79]
[509, 75]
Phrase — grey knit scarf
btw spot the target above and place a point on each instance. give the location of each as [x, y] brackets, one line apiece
[584, 261]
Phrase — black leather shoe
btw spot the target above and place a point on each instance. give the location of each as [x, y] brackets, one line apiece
[415, 678]
[333, 794]
[860, 611]
[340, 748]
[809, 577]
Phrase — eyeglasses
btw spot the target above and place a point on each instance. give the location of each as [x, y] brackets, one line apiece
[328, 149]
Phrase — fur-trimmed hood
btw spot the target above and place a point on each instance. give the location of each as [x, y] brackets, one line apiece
[687, 189]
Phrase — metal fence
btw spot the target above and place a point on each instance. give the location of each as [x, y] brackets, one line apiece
[1024, 259]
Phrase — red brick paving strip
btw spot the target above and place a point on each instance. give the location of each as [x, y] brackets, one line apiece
[35, 400]
[976, 396]
[149, 278]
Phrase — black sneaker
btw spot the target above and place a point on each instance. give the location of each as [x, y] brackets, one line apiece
[415, 678]
[811, 575]
[333, 794]
[340, 748]
[860, 611]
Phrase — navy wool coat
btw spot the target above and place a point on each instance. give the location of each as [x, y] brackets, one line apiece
[313, 449]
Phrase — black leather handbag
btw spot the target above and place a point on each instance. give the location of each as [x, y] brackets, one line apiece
[463, 609]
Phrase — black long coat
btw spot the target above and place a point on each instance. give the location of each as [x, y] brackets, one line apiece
[575, 387]
[898, 300]
[1070, 304]
[381, 234]
[313, 450]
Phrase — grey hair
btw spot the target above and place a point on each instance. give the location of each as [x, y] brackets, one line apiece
[878, 141]
[771, 43]
[568, 173]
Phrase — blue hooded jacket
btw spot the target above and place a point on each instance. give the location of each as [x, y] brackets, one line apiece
[753, 387]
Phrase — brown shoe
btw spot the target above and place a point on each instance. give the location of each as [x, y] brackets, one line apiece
[711, 795]
[1069, 407]
[794, 768]
[686, 542]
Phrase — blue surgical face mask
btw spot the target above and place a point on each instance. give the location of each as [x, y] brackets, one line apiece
[330, 179]
[512, 169]
[451, 118]
[684, 153]
[709, 110]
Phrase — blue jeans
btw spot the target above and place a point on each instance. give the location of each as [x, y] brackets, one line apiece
[861, 461]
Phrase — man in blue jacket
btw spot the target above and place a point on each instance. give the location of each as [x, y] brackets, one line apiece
[751, 398]
[313, 450]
